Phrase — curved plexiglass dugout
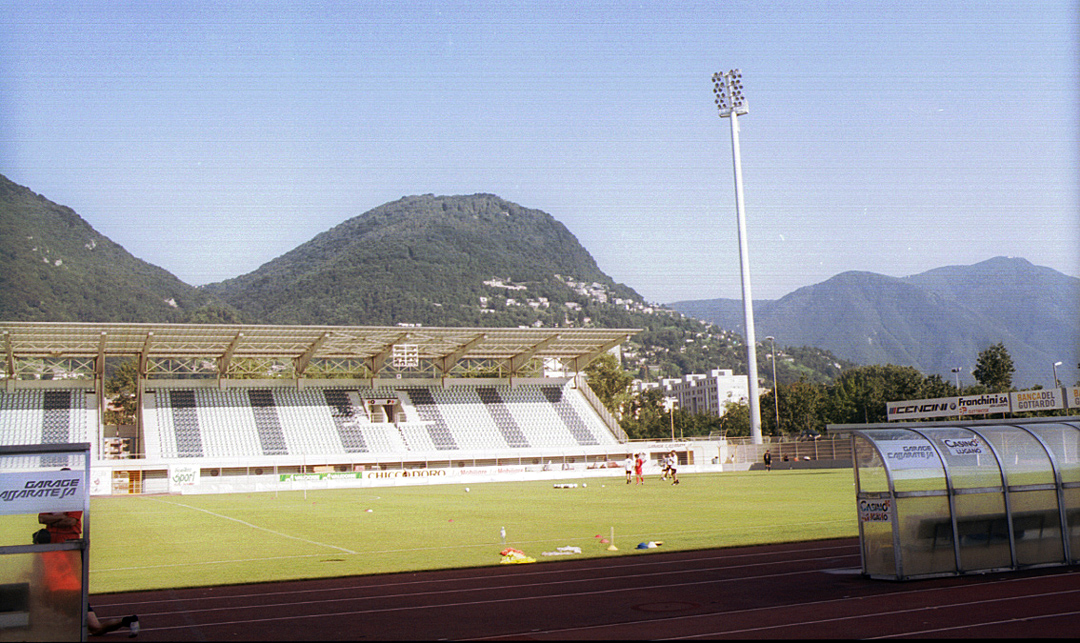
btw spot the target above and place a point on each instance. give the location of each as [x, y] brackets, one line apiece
[936, 499]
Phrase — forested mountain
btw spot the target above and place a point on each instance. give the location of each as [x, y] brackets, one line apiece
[478, 261]
[55, 267]
[482, 261]
[451, 261]
[446, 261]
[935, 321]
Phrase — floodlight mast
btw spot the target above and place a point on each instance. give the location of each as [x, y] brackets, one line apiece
[731, 102]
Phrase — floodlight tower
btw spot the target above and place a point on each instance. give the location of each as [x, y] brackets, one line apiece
[731, 103]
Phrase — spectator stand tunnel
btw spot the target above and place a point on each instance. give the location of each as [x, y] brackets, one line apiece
[942, 499]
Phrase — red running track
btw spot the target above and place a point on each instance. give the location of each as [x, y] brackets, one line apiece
[797, 590]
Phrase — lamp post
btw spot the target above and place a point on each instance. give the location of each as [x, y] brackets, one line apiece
[670, 403]
[1057, 384]
[730, 102]
[776, 386]
[956, 371]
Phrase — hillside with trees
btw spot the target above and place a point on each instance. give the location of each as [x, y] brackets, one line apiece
[934, 321]
[55, 267]
[439, 261]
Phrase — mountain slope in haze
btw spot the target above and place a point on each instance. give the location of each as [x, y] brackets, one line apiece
[935, 321]
[425, 259]
[55, 267]
[469, 261]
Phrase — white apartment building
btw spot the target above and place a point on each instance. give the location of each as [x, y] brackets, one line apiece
[697, 393]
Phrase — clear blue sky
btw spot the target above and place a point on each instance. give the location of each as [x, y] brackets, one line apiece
[894, 137]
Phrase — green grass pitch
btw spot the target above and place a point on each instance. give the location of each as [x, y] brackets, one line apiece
[151, 542]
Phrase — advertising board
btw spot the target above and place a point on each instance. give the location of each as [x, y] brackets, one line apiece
[908, 454]
[876, 510]
[1041, 400]
[922, 409]
[42, 491]
[183, 475]
[983, 404]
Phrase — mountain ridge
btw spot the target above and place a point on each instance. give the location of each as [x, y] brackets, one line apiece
[479, 260]
[935, 321]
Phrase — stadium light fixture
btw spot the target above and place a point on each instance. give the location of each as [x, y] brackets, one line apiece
[731, 103]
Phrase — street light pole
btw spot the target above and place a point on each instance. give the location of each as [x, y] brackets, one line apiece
[775, 385]
[1057, 384]
[731, 102]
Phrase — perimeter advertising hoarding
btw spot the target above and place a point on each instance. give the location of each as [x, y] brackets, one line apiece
[1016, 402]
[1041, 400]
[922, 409]
[181, 476]
[960, 406]
[984, 404]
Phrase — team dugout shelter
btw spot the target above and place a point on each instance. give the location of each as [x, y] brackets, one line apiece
[948, 498]
[232, 407]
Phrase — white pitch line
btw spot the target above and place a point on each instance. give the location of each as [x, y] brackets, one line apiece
[248, 524]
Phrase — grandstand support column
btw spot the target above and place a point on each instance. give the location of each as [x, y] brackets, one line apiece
[140, 379]
[99, 394]
[9, 360]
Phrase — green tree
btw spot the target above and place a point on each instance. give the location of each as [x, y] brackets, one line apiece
[994, 369]
[609, 381]
[695, 424]
[936, 386]
[859, 395]
[736, 420]
[120, 391]
[801, 406]
[644, 416]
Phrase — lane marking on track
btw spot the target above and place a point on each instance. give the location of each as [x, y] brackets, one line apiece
[338, 589]
[419, 549]
[253, 526]
[878, 614]
[793, 606]
[612, 625]
[986, 624]
[600, 592]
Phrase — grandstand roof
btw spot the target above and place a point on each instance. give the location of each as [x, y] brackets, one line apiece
[81, 340]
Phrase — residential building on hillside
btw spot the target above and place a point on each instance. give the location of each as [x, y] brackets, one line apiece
[702, 393]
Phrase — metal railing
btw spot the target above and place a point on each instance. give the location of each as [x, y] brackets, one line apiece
[790, 450]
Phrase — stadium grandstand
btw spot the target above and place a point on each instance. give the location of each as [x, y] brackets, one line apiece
[230, 408]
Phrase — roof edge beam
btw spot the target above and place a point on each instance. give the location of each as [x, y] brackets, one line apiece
[581, 361]
[226, 358]
[519, 360]
[303, 360]
[144, 355]
[99, 363]
[447, 362]
[376, 361]
[9, 356]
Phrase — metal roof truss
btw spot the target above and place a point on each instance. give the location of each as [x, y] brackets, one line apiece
[243, 351]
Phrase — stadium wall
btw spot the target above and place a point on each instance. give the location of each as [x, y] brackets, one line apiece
[185, 476]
